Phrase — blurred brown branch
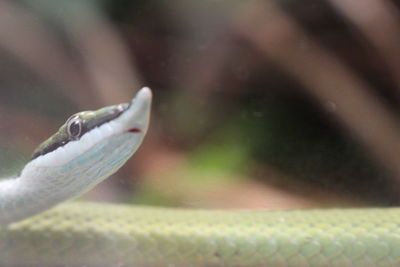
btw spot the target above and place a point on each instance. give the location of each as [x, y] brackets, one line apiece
[325, 77]
[106, 73]
[29, 41]
[106, 59]
[379, 21]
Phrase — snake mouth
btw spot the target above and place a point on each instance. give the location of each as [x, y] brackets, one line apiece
[135, 130]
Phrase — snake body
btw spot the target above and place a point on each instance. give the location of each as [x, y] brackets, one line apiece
[93, 145]
[88, 234]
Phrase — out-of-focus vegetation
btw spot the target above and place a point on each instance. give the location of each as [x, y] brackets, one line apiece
[257, 104]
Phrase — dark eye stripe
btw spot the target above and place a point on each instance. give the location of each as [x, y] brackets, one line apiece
[49, 148]
[72, 133]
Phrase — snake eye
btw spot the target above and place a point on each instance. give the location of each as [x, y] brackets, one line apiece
[74, 127]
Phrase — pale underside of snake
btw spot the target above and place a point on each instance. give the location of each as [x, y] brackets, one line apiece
[92, 145]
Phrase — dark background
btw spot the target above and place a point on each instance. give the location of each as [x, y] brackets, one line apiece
[257, 104]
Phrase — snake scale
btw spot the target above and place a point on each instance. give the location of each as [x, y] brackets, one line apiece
[94, 144]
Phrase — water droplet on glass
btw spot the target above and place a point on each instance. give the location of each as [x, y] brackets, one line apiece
[330, 106]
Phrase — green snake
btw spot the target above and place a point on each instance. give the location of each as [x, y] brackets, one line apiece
[92, 145]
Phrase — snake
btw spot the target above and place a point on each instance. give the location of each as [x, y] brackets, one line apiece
[41, 224]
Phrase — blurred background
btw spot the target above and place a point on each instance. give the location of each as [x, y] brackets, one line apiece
[257, 104]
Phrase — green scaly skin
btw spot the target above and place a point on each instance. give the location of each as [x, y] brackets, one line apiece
[84, 234]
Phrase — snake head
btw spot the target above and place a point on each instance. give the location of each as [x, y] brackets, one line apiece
[104, 139]
[87, 149]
